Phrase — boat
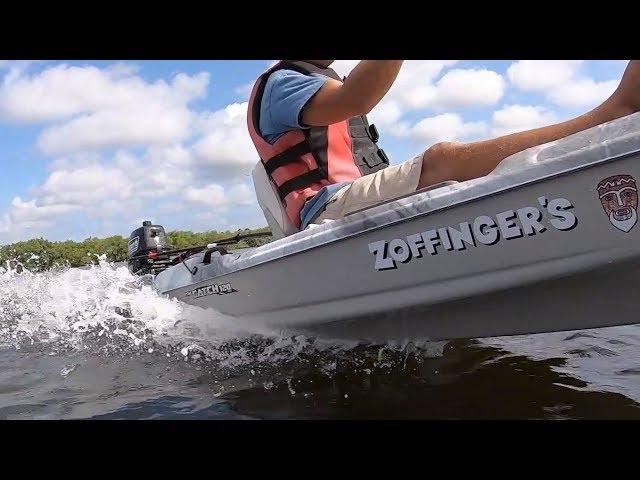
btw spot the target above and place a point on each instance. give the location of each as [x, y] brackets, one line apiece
[548, 241]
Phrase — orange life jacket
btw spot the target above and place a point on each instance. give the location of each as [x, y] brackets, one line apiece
[301, 162]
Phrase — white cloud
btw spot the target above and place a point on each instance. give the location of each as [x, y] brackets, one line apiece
[561, 81]
[161, 183]
[85, 179]
[167, 158]
[92, 109]
[27, 214]
[226, 145]
[211, 195]
[531, 75]
[5, 223]
[244, 91]
[387, 114]
[582, 93]
[158, 173]
[515, 118]
[121, 70]
[468, 88]
[445, 127]
[76, 160]
[62, 91]
[161, 171]
[119, 190]
[169, 208]
[101, 108]
[125, 127]
[85, 186]
[414, 89]
[241, 194]
[217, 197]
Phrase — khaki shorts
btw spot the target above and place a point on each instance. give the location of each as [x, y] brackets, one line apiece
[386, 184]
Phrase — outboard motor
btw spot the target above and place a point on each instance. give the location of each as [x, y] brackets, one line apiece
[142, 241]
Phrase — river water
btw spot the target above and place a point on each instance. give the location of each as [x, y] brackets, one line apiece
[100, 344]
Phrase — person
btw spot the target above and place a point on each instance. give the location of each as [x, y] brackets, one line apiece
[310, 129]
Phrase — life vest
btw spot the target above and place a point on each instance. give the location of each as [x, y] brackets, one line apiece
[301, 162]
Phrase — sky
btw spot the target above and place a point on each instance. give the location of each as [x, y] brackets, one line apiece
[93, 148]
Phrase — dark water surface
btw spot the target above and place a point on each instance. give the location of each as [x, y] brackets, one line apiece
[95, 344]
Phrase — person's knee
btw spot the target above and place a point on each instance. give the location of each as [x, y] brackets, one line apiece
[441, 151]
[438, 162]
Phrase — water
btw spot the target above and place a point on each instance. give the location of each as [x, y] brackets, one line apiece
[98, 343]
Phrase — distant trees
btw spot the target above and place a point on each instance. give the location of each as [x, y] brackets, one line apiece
[39, 254]
[183, 239]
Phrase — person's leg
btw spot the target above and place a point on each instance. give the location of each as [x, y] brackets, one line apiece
[386, 184]
[465, 161]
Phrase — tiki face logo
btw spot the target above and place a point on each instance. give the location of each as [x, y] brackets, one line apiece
[619, 198]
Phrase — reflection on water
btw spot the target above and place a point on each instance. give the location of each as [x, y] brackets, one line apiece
[470, 381]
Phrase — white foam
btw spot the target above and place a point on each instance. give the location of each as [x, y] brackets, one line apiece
[105, 309]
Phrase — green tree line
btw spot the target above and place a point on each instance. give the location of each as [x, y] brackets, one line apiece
[39, 254]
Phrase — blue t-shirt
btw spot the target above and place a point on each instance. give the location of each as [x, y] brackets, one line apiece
[285, 95]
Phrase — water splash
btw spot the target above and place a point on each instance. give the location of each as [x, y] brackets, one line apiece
[77, 308]
[104, 310]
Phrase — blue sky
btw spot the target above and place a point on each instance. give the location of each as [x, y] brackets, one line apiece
[92, 148]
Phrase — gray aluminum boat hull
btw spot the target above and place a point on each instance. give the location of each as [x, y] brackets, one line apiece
[529, 248]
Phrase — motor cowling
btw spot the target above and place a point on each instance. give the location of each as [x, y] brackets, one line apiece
[142, 241]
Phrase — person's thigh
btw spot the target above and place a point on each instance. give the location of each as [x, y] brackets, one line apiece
[386, 184]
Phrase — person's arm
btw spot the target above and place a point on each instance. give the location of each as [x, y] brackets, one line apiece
[362, 90]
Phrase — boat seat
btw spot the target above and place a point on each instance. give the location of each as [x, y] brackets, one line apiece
[269, 202]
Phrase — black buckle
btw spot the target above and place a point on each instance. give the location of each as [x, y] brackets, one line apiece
[373, 133]
[383, 155]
